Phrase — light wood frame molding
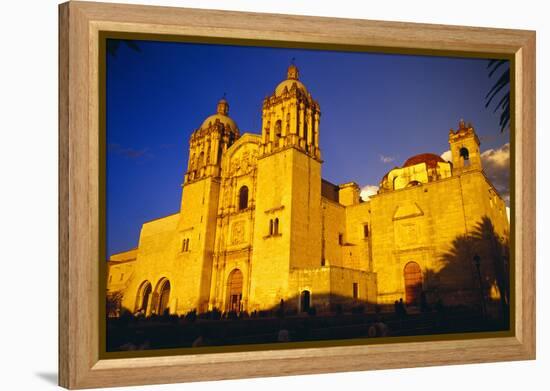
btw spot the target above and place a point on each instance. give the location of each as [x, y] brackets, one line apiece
[80, 365]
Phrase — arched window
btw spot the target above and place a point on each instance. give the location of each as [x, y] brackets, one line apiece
[413, 283]
[278, 131]
[268, 132]
[243, 198]
[142, 299]
[276, 226]
[465, 155]
[235, 290]
[185, 245]
[201, 160]
[208, 153]
[305, 301]
[287, 123]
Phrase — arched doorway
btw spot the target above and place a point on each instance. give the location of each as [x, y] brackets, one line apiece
[305, 301]
[413, 283]
[143, 296]
[162, 296]
[235, 291]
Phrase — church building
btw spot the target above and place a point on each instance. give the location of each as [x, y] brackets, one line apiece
[258, 225]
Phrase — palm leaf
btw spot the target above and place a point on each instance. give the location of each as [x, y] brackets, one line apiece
[113, 46]
[501, 86]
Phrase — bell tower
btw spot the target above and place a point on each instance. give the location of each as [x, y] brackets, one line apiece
[464, 145]
[287, 228]
[217, 133]
[290, 117]
[199, 204]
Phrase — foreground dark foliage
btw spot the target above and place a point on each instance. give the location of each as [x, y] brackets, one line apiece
[211, 329]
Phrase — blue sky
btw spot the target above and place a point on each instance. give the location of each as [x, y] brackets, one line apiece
[377, 110]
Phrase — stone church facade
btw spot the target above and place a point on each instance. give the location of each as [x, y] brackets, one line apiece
[259, 225]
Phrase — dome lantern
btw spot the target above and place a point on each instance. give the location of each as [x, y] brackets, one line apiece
[223, 106]
[292, 72]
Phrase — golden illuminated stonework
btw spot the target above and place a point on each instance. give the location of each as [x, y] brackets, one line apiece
[258, 227]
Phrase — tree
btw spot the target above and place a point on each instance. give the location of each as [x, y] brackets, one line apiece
[502, 88]
[113, 304]
[114, 44]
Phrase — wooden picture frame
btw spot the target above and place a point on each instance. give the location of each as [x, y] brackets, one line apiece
[80, 364]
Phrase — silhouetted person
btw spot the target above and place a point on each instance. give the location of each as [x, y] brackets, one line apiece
[402, 309]
[281, 310]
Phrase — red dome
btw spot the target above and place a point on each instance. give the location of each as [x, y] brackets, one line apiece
[430, 159]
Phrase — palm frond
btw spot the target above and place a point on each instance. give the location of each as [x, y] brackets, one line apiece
[502, 85]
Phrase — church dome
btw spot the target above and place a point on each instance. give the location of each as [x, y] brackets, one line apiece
[291, 80]
[221, 116]
[430, 159]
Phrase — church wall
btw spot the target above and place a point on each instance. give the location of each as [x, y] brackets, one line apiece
[357, 254]
[403, 176]
[481, 199]
[314, 280]
[155, 258]
[414, 224]
[330, 286]
[421, 224]
[270, 260]
[120, 269]
[119, 275]
[198, 224]
[342, 280]
[333, 224]
[305, 231]
[235, 227]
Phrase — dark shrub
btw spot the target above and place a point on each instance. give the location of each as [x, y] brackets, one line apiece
[358, 309]
[232, 315]
[244, 315]
[291, 312]
[215, 314]
[191, 316]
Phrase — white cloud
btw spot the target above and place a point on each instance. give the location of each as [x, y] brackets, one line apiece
[367, 191]
[496, 164]
[386, 159]
[446, 156]
[499, 157]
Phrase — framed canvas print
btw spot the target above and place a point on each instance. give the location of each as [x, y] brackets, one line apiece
[247, 195]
